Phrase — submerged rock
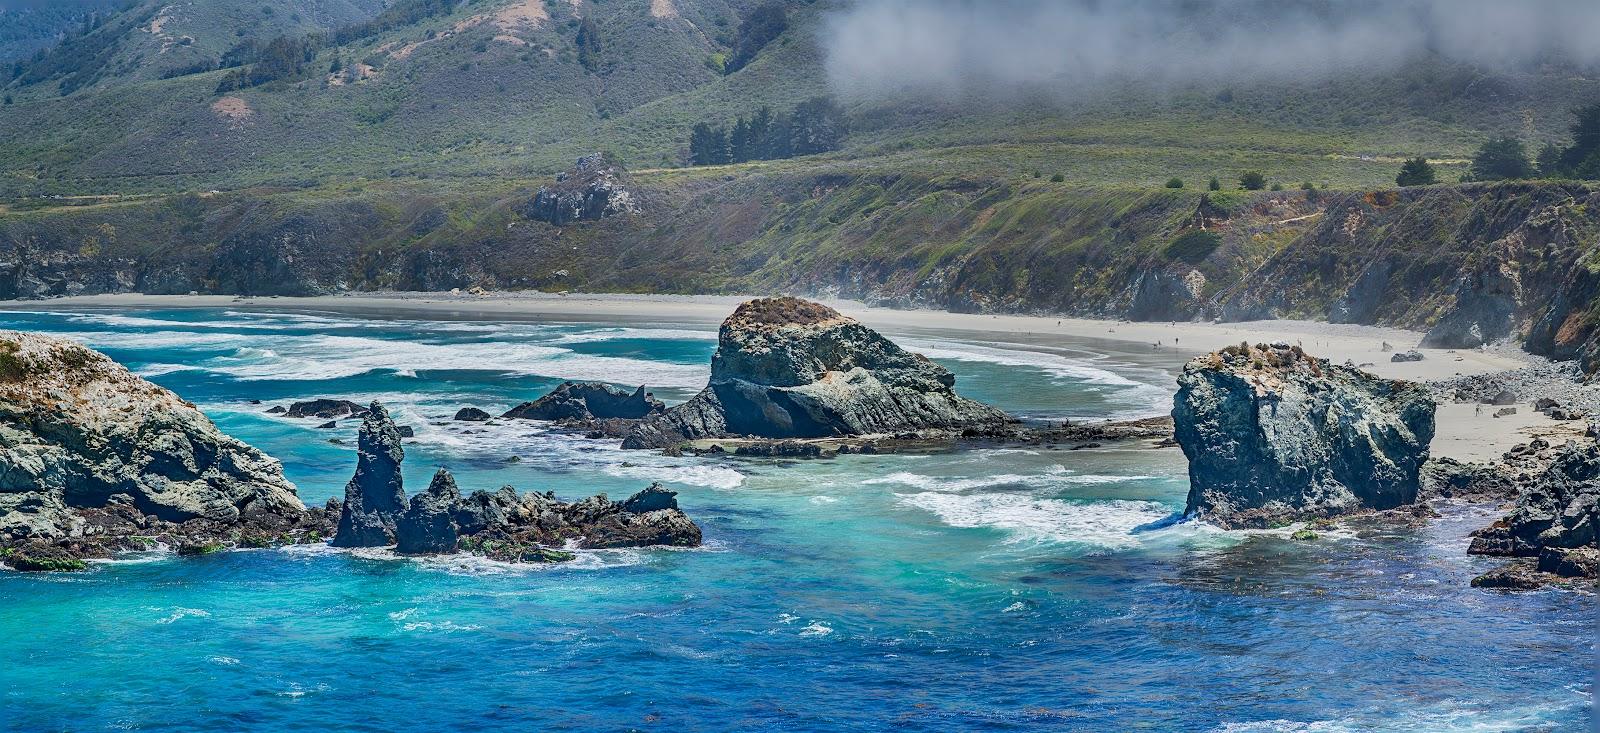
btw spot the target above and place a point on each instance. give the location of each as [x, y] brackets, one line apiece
[325, 408]
[375, 497]
[472, 414]
[595, 188]
[1274, 436]
[91, 454]
[791, 368]
[588, 401]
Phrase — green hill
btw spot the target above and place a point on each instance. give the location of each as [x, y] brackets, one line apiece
[500, 88]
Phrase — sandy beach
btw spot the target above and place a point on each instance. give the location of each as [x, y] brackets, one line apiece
[1463, 431]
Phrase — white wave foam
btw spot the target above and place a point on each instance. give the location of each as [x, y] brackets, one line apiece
[1108, 524]
[1451, 717]
[714, 477]
[816, 628]
[613, 334]
[1054, 476]
[179, 612]
[1055, 365]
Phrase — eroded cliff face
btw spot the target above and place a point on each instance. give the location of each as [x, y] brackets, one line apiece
[1275, 436]
[91, 453]
[1467, 263]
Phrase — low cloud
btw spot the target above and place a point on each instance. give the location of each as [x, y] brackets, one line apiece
[879, 47]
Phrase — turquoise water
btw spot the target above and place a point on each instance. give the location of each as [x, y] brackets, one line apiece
[980, 590]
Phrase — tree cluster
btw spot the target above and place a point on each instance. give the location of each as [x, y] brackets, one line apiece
[816, 125]
[283, 57]
[764, 24]
[1506, 158]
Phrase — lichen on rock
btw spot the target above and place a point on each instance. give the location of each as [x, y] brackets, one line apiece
[791, 368]
[90, 453]
[1274, 436]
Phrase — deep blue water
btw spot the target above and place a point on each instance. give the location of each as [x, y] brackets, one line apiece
[971, 591]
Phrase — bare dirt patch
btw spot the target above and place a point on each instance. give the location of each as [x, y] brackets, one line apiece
[233, 110]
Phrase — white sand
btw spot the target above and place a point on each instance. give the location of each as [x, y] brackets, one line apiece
[1461, 434]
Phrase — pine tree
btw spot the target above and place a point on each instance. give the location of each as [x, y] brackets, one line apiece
[1416, 172]
[739, 141]
[588, 42]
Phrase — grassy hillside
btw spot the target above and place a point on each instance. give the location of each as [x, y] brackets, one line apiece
[497, 89]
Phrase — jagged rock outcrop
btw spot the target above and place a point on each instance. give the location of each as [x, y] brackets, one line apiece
[429, 524]
[588, 401]
[1274, 436]
[91, 454]
[791, 368]
[595, 188]
[375, 497]
[502, 524]
[1559, 510]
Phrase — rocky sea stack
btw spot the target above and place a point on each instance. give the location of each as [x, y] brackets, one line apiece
[1274, 436]
[790, 368]
[503, 524]
[94, 459]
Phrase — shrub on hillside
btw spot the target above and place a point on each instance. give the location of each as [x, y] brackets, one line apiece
[1252, 180]
[1192, 247]
[1416, 172]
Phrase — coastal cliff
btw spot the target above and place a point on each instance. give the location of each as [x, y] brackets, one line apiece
[1467, 263]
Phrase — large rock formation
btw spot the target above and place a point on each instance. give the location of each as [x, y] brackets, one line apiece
[375, 497]
[791, 368]
[588, 401]
[502, 524]
[91, 454]
[1273, 436]
[429, 524]
[1556, 518]
[595, 188]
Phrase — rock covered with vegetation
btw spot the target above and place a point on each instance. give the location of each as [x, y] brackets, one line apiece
[94, 459]
[791, 368]
[595, 188]
[588, 401]
[1274, 435]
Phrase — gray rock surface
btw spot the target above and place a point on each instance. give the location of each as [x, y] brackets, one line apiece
[595, 188]
[588, 401]
[1559, 509]
[791, 368]
[429, 526]
[375, 497]
[472, 414]
[324, 408]
[79, 433]
[1274, 436]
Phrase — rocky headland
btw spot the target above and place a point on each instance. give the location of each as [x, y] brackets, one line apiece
[502, 525]
[787, 368]
[95, 460]
[1274, 436]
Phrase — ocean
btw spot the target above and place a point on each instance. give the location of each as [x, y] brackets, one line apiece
[975, 590]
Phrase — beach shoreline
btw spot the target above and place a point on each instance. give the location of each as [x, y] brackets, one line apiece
[1463, 432]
